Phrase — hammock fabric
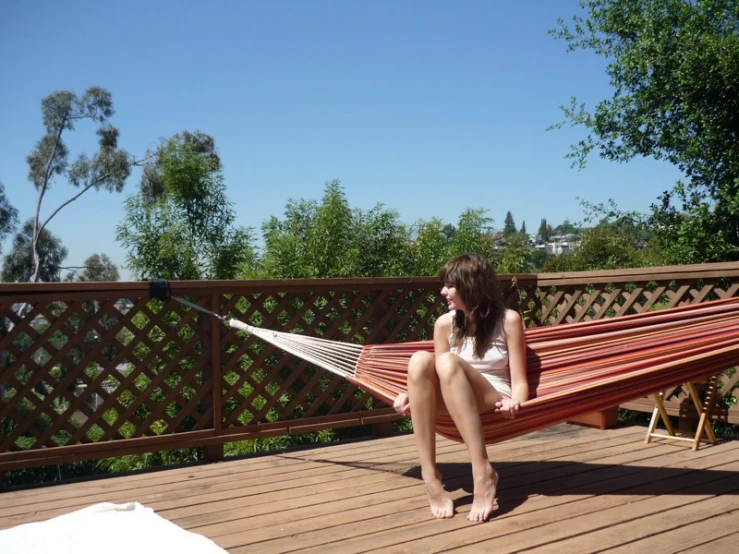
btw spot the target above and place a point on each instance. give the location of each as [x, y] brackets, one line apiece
[573, 369]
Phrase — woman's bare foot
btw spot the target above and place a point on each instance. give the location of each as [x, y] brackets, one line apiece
[440, 502]
[486, 492]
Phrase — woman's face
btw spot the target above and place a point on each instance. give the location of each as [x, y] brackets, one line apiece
[453, 299]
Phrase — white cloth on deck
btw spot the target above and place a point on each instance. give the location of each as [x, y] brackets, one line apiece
[105, 528]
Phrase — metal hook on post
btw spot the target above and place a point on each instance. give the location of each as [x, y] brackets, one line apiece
[159, 289]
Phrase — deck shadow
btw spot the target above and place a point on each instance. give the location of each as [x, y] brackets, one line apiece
[520, 481]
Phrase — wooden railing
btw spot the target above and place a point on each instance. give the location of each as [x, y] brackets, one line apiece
[93, 370]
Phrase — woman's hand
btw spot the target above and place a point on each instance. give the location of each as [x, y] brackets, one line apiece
[508, 407]
[402, 404]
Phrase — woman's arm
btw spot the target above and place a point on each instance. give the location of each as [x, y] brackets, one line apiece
[516, 355]
[442, 330]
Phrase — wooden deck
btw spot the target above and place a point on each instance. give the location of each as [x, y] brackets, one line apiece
[566, 489]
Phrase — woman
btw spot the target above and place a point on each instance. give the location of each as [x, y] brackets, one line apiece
[478, 365]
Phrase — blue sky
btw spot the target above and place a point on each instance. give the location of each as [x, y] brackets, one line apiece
[429, 107]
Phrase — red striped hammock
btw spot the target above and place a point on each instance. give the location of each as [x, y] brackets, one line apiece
[573, 369]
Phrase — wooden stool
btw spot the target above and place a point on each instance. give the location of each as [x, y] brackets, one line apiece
[704, 409]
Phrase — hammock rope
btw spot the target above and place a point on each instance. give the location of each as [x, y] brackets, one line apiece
[573, 369]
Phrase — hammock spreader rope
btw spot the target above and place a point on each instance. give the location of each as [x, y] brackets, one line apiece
[573, 369]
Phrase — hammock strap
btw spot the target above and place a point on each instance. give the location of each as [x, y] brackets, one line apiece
[336, 357]
[340, 358]
[199, 308]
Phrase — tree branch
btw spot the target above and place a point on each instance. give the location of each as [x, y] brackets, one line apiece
[42, 192]
[75, 197]
[101, 178]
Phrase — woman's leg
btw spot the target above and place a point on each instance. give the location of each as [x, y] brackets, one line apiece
[425, 397]
[466, 394]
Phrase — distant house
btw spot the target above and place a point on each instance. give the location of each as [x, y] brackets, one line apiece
[561, 244]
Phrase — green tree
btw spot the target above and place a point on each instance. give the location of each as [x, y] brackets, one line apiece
[181, 224]
[107, 169]
[381, 243]
[509, 225]
[618, 240]
[19, 264]
[433, 244]
[330, 235]
[544, 231]
[704, 230]
[474, 235]
[516, 257]
[674, 69]
[286, 241]
[523, 228]
[8, 216]
[566, 228]
[98, 267]
[313, 240]
[430, 246]
[539, 258]
[330, 239]
[601, 247]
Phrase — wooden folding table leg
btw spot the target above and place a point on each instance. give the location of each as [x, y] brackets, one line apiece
[659, 413]
[705, 410]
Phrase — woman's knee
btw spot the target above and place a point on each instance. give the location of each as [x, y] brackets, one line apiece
[421, 365]
[447, 364]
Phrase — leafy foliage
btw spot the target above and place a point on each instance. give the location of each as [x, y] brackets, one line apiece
[474, 235]
[430, 246]
[98, 267]
[8, 215]
[618, 240]
[674, 69]
[517, 256]
[544, 232]
[703, 231]
[509, 224]
[329, 239]
[19, 265]
[181, 224]
[107, 169]
[382, 243]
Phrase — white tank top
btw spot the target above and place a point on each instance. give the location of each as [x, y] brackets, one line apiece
[494, 362]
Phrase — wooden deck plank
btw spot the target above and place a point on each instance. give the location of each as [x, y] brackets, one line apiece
[646, 518]
[597, 514]
[218, 478]
[273, 460]
[229, 480]
[727, 544]
[304, 525]
[425, 534]
[426, 530]
[567, 488]
[715, 533]
[261, 522]
[456, 472]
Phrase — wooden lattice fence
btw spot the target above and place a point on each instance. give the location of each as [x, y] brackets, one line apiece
[92, 370]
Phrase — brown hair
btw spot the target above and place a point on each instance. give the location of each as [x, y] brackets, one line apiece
[475, 281]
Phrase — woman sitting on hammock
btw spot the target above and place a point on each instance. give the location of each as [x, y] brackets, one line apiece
[478, 365]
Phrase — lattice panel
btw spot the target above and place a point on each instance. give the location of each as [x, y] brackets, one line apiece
[88, 371]
[262, 384]
[728, 396]
[583, 302]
